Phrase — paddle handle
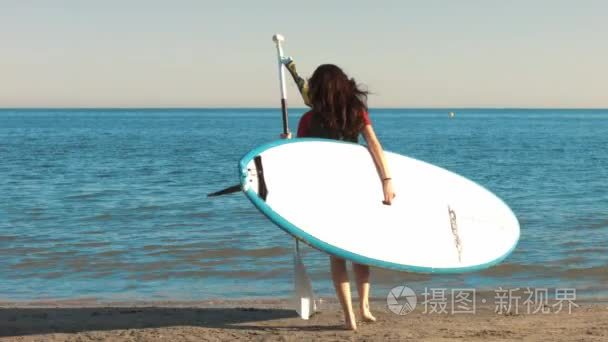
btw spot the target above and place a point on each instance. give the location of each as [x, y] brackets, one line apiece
[277, 38]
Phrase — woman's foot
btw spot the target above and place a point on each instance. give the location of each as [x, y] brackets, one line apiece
[350, 323]
[367, 316]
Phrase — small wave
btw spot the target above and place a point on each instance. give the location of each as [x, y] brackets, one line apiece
[592, 224]
[599, 224]
[153, 247]
[29, 264]
[92, 195]
[237, 274]
[91, 244]
[147, 208]
[155, 265]
[110, 253]
[572, 243]
[175, 225]
[572, 260]
[590, 250]
[395, 277]
[180, 244]
[51, 275]
[101, 274]
[199, 215]
[93, 232]
[202, 252]
[237, 252]
[207, 263]
[52, 254]
[80, 264]
[600, 272]
[507, 269]
[100, 217]
[21, 251]
[7, 238]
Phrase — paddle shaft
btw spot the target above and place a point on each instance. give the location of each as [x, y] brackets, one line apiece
[278, 39]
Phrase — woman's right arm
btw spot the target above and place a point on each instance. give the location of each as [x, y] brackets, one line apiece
[377, 153]
[300, 82]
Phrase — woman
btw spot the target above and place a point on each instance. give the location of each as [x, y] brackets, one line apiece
[339, 111]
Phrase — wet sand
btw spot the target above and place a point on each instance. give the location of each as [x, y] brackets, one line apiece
[256, 320]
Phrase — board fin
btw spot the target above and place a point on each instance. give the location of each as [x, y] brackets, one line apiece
[228, 190]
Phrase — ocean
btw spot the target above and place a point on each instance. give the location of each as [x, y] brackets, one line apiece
[112, 204]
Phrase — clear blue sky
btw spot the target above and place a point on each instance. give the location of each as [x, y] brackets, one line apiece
[532, 53]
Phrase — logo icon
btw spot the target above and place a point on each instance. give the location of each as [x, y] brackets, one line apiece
[401, 300]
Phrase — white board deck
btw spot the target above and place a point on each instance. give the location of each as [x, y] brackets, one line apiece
[329, 195]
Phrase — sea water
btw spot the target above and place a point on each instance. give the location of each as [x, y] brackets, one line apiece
[112, 204]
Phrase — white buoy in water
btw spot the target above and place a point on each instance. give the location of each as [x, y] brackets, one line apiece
[452, 115]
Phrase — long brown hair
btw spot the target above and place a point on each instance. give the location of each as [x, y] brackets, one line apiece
[338, 104]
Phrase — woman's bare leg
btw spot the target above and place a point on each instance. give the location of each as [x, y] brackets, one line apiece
[340, 278]
[362, 279]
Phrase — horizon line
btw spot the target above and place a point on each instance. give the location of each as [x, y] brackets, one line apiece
[297, 108]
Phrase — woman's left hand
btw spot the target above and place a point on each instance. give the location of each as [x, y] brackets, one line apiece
[389, 193]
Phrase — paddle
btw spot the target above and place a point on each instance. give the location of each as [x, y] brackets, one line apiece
[277, 38]
[304, 297]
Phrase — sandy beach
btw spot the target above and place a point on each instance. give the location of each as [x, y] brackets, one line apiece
[258, 320]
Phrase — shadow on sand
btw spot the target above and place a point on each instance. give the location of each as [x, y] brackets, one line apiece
[33, 321]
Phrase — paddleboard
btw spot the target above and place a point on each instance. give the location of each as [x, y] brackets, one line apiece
[328, 194]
